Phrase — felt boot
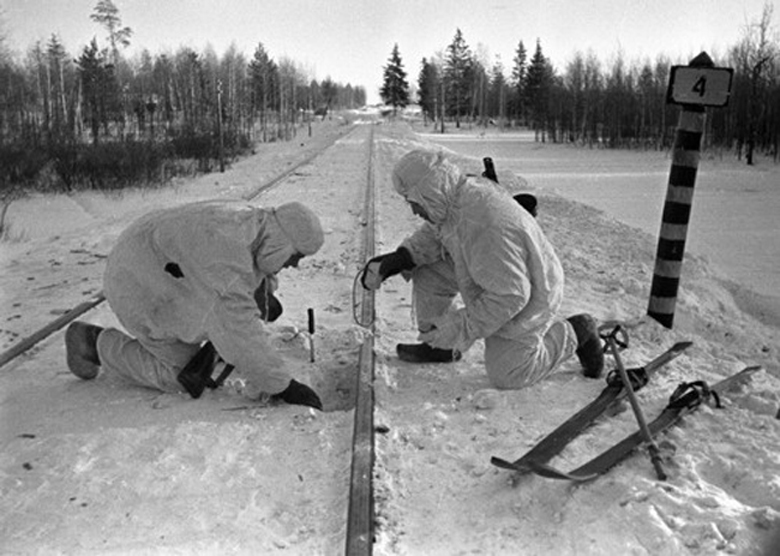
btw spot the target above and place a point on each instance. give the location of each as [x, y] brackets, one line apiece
[423, 353]
[81, 349]
[590, 350]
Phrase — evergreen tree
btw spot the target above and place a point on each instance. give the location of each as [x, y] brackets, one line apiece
[91, 72]
[395, 89]
[457, 73]
[538, 84]
[329, 91]
[519, 78]
[428, 89]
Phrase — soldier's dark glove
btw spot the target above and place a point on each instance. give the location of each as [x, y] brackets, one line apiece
[382, 267]
[299, 394]
[270, 307]
[196, 373]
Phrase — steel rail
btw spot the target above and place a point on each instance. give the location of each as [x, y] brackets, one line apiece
[360, 516]
[29, 341]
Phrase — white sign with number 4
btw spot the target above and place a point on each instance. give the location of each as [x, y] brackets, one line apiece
[699, 86]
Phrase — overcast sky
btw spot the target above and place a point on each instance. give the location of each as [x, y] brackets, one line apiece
[351, 40]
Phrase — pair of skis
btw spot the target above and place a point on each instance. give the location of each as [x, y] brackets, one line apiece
[685, 400]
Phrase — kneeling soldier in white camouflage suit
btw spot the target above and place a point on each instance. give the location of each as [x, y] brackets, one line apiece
[183, 276]
[480, 243]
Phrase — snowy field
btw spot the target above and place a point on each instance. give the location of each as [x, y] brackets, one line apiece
[733, 224]
[104, 467]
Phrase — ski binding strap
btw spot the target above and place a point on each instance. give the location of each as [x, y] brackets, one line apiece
[637, 376]
[692, 394]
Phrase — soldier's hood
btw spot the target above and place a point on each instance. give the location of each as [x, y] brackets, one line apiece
[430, 180]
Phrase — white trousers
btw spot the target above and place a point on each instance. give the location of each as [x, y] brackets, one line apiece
[144, 361]
[511, 363]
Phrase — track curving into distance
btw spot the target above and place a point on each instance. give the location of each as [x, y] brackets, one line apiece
[360, 516]
[44, 332]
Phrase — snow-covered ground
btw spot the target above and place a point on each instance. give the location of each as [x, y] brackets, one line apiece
[104, 467]
[733, 222]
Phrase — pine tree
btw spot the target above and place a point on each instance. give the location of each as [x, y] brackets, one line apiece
[428, 89]
[329, 92]
[395, 89]
[107, 15]
[538, 84]
[91, 74]
[457, 72]
[519, 78]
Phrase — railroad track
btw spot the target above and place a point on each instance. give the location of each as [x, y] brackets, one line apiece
[44, 332]
[360, 511]
[360, 518]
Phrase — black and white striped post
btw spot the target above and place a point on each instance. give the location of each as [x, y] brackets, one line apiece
[694, 86]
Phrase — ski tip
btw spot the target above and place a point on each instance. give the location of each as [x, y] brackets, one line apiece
[681, 346]
[752, 369]
[737, 379]
[544, 470]
[748, 372]
[502, 463]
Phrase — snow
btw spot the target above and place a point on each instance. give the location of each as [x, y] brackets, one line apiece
[733, 221]
[104, 467]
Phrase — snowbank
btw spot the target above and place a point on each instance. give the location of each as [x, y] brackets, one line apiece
[104, 467]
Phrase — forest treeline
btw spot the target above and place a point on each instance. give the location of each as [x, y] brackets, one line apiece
[614, 105]
[102, 120]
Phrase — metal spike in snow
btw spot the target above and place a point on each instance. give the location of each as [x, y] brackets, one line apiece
[685, 399]
[551, 445]
[490, 169]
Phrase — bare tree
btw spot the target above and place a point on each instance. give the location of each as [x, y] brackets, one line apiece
[497, 94]
[265, 78]
[756, 53]
[574, 80]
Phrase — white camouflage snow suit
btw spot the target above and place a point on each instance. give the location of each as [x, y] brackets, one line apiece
[178, 277]
[482, 244]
